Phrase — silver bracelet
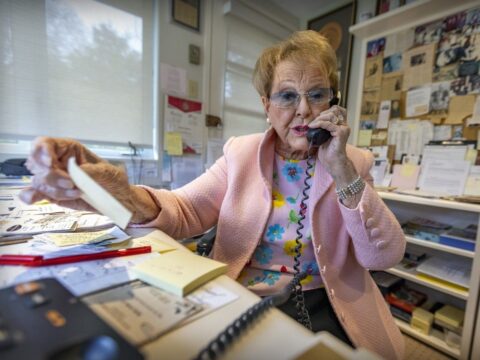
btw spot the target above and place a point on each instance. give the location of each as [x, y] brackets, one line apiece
[355, 187]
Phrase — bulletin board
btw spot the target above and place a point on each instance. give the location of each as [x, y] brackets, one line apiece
[422, 85]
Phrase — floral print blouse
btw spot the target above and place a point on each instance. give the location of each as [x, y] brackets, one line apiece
[271, 267]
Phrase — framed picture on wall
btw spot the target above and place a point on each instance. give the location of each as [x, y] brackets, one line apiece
[334, 26]
[187, 12]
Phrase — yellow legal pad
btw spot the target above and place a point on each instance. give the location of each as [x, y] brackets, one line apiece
[179, 272]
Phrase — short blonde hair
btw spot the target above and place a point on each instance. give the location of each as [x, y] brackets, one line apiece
[302, 47]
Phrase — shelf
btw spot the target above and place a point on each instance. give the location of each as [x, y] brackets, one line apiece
[446, 204]
[434, 339]
[420, 11]
[461, 294]
[440, 247]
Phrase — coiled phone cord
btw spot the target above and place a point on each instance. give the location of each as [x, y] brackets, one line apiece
[218, 345]
[302, 314]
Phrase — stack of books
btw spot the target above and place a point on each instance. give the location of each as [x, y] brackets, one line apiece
[453, 271]
[425, 229]
[403, 301]
[460, 238]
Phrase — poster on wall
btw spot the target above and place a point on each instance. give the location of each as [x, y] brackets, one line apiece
[334, 26]
[185, 117]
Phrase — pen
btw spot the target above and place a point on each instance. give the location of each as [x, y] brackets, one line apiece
[38, 260]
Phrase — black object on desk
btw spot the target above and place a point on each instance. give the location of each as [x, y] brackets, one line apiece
[42, 320]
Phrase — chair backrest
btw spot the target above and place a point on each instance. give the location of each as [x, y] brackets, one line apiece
[205, 242]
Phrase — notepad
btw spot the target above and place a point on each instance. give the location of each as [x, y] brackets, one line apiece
[98, 197]
[179, 272]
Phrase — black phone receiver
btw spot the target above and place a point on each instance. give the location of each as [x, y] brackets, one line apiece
[317, 137]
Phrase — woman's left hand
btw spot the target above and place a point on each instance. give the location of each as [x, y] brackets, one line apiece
[333, 153]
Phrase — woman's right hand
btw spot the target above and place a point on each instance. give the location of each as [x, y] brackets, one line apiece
[48, 163]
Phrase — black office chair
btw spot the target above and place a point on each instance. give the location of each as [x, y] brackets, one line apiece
[205, 241]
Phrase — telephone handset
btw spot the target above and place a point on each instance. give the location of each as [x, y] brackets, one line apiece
[317, 137]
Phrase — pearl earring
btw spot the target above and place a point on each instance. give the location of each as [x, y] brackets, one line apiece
[268, 120]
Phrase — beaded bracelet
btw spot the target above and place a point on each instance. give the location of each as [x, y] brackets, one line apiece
[355, 187]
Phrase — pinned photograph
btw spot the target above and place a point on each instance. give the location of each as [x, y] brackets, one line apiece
[375, 47]
[473, 84]
[445, 73]
[367, 124]
[395, 109]
[426, 34]
[458, 87]
[392, 63]
[439, 97]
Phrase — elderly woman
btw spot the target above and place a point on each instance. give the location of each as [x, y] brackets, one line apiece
[254, 193]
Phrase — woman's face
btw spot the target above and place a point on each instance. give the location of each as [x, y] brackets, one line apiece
[290, 118]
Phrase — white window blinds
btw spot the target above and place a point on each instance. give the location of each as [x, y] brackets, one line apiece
[77, 68]
[243, 110]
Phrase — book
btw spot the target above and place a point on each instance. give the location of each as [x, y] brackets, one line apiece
[405, 299]
[179, 272]
[460, 238]
[452, 269]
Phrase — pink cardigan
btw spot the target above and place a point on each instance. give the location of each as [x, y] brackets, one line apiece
[236, 194]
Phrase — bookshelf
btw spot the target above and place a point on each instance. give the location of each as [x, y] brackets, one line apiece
[403, 206]
[457, 214]
[434, 339]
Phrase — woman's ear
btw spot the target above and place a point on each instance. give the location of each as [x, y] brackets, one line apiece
[266, 104]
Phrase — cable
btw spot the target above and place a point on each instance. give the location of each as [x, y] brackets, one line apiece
[302, 314]
[218, 345]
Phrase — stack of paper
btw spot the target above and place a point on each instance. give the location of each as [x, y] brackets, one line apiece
[179, 272]
[141, 312]
[452, 269]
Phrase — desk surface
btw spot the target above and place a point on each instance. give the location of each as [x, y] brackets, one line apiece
[273, 336]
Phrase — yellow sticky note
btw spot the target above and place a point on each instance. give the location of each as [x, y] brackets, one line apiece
[364, 137]
[408, 170]
[155, 239]
[471, 156]
[173, 141]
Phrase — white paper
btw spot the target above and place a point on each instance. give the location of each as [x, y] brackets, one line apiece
[185, 169]
[384, 114]
[444, 176]
[173, 79]
[80, 278]
[210, 297]
[442, 132]
[378, 172]
[472, 186]
[453, 269]
[97, 196]
[140, 312]
[409, 136]
[418, 101]
[444, 152]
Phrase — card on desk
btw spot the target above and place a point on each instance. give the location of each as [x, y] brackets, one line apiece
[141, 312]
[179, 272]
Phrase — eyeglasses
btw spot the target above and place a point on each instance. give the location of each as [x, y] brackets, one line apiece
[290, 98]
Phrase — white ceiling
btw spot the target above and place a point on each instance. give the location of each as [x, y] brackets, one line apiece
[305, 10]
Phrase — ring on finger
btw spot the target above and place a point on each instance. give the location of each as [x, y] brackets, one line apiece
[340, 118]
